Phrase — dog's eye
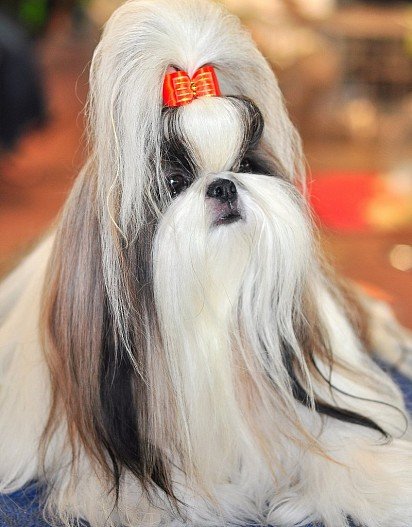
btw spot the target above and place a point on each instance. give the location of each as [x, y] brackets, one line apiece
[245, 165]
[177, 183]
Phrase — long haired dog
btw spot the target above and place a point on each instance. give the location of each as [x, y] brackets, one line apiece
[175, 352]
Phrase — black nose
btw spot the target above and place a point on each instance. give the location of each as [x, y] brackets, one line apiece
[223, 190]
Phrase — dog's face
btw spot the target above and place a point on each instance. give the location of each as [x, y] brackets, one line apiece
[231, 208]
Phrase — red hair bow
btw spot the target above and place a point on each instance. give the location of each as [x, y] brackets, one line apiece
[180, 89]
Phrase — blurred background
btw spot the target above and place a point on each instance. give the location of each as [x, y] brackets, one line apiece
[345, 68]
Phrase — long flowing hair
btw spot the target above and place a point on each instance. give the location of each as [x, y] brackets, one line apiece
[131, 389]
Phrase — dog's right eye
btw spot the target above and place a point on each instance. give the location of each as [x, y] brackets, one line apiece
[177, 183]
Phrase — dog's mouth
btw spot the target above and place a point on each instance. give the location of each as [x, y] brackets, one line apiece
[226, 213]
[230, 217]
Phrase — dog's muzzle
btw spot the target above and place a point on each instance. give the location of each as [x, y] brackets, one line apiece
[224, 194]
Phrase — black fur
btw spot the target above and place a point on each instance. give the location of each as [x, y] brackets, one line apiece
[341, 414]
[123, 393]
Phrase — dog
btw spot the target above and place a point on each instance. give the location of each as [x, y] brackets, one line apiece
[177, 351]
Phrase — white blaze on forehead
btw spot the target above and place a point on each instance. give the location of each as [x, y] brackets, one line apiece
[213, 130]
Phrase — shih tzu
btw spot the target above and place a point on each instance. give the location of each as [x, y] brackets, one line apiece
[177, 352]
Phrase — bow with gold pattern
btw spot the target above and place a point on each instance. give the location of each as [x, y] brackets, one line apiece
[180, 89]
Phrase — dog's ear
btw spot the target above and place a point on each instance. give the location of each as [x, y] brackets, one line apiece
[100, 379]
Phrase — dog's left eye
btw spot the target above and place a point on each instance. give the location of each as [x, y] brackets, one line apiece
[245, 165]
[177, 183]
[254, 165]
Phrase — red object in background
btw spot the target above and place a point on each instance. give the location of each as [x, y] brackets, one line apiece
[341, 199]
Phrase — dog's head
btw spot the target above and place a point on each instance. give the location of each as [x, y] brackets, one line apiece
[181, 315]
[206, 188]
